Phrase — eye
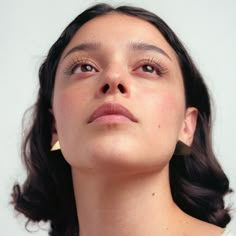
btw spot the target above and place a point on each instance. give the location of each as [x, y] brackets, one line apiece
[148, 68]
[80, 68]
[152, 67]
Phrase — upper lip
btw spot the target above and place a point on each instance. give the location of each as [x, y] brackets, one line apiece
[111, 109]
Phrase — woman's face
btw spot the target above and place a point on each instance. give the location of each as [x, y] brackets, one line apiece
[119, 100]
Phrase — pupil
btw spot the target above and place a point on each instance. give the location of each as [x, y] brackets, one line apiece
[148, 68]
[86, 68]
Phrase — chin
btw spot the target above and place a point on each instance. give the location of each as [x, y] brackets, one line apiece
[123, 158]
[113, 152]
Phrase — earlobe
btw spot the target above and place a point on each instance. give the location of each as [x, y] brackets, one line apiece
[189, 126]
[54, 139]
[53, 130]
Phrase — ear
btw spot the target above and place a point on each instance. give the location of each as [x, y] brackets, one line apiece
[189, 125]
[53, 130]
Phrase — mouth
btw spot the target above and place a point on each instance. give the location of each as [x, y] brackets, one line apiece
[112, 113]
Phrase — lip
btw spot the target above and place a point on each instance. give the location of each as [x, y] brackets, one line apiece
[111, 112]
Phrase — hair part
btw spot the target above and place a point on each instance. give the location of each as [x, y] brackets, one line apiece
[198, 183]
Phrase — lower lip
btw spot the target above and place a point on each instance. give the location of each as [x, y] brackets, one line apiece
[109, 119]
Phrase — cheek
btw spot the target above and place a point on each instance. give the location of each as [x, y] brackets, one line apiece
[68, 104]
[166, 109]
[164, 118]
[171, 106]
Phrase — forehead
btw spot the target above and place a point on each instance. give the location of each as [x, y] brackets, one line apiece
[116, 30]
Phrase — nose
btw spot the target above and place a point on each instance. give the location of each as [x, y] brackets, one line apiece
[114, 80]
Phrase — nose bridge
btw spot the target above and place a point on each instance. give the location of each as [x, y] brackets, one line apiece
[116, 68]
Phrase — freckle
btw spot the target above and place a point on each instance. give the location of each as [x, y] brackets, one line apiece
[159, 126]
[153, 194]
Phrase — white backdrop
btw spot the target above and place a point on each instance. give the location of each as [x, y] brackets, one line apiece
[28, 29]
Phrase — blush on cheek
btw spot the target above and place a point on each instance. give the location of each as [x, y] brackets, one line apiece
[68, 101]
[169, 111]
[172, 104]
[63, 106]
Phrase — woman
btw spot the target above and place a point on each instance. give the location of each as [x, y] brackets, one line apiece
[131, 112]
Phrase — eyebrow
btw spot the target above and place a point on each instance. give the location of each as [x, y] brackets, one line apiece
[136, 46]
[141, 46]
[93, 46]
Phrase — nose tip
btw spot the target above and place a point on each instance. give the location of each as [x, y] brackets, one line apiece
[115, 79]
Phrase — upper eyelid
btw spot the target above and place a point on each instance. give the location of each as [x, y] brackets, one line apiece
[149, 61]
[73, 60]
[152, 61]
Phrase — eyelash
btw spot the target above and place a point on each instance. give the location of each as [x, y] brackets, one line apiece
[155, 63]
[75, 62]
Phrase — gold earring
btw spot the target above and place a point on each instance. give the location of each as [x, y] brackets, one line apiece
[182, 149]
[56, 146]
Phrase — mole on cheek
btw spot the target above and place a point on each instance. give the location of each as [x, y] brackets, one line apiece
[159, 126]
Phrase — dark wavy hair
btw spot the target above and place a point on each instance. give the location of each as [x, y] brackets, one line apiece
[198, 183]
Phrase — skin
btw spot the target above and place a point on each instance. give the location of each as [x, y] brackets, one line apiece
[119, 167]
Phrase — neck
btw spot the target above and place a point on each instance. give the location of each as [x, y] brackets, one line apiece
[124, 205]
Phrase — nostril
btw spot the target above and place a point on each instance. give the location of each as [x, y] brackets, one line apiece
[121, 88]
[105, 88]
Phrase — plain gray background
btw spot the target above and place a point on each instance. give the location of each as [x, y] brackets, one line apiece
[29, 28]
